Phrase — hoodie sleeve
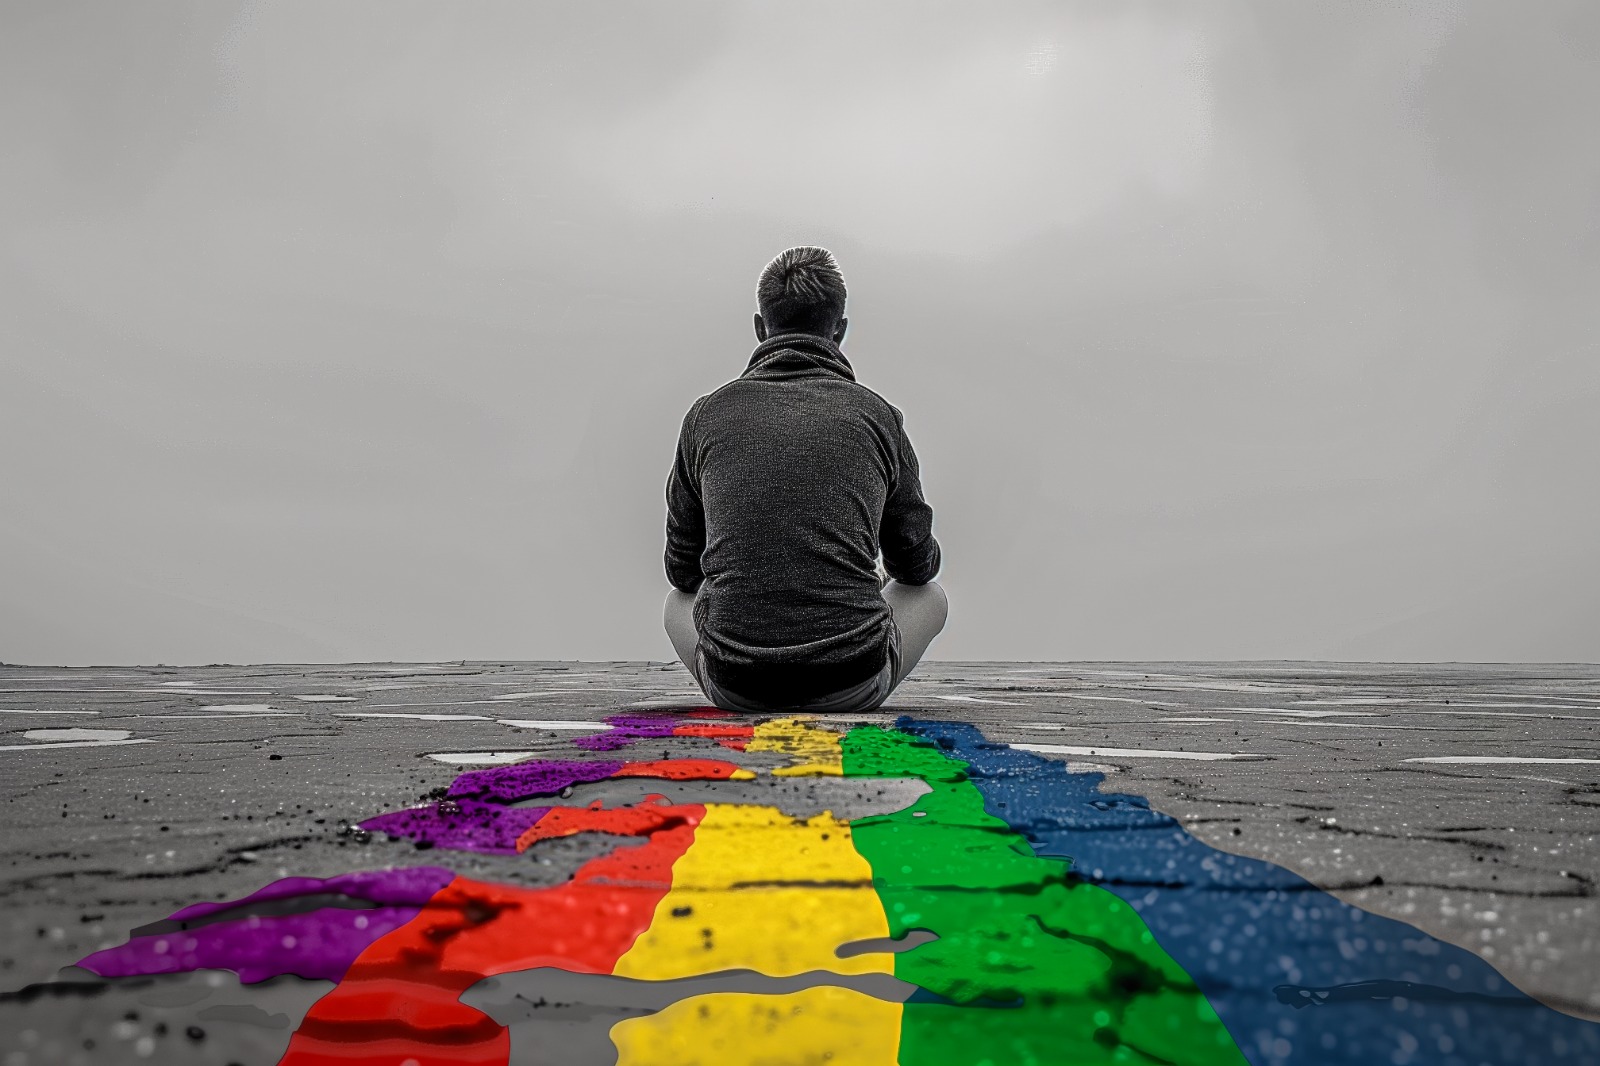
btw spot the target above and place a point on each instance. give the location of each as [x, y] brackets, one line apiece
[910, 554]
[686, 519]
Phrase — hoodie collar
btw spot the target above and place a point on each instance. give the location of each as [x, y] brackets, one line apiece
[794, 353]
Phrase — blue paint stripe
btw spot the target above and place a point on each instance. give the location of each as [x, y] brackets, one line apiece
[1297, 976]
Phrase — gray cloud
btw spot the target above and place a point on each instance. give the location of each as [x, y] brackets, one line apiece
[1224, 331]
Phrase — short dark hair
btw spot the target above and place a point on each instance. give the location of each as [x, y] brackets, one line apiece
[801, 291]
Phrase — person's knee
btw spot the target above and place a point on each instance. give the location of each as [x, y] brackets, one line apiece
[677, 617]
[929, 602]
[933, 606]
[678, 609]
[920, 611]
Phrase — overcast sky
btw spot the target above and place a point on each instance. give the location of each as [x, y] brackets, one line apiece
[363, 331]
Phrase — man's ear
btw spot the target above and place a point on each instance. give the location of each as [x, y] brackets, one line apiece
[761, 328]
[838, 334]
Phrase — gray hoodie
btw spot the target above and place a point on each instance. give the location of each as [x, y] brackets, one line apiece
[787, 483]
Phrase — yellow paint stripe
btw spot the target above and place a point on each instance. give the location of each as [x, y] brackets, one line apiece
[825, 1025]
[759, 890]
[762, 891]
[814, 751]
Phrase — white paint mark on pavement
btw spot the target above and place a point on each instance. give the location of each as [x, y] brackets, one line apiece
[1452, 712]
[191, 691]
[1481, 760]
[253, 714]
[323, 698]
[550, 723]
[419, 717]
[1448, 706]
[1136, 753]
[72, 744]
[481, 758]
[1350, 725]
[1290, 712]
[30, 710]
[73, 738]
[143, 691]
[78, 734]
[446, 703]
[67, 677]
[1084, 696]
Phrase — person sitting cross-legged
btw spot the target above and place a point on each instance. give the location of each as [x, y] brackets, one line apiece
[788, 484]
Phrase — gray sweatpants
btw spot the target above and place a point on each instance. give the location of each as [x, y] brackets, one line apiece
[919, 613]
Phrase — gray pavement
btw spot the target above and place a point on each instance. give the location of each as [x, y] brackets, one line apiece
[1464, 800]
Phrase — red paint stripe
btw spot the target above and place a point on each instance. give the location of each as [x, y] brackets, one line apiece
[645, 820]
[680, 769]
[401, 998]
[694, 729]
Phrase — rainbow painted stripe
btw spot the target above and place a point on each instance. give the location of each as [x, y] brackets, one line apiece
[1010, 914]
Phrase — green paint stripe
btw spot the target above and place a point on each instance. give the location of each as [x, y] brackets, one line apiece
[1037, 968]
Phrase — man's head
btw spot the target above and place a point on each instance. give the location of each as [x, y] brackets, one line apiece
[801, 291]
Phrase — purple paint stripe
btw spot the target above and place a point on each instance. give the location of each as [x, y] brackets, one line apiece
[319, 945]
[644, 725]
[461, 825]
[628, 728]
[507, 784]
[605, 741]
[410, 886]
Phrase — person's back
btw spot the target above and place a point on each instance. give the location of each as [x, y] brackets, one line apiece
[787, 483]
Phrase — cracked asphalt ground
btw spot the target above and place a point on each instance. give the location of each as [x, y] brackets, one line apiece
[1464, 800]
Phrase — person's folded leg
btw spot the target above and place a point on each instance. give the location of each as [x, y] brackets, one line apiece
[678, 618]
[920, 612]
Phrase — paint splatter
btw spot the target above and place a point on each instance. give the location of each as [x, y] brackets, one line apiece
[507, 784]
[1011, 913]
[1295, 974]
[318, 943]
[402, 997]
[460, 824]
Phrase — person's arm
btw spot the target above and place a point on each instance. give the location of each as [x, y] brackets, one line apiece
[910, 554]
[686, 518]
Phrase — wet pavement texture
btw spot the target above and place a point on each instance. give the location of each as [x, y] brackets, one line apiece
[1462, 801]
